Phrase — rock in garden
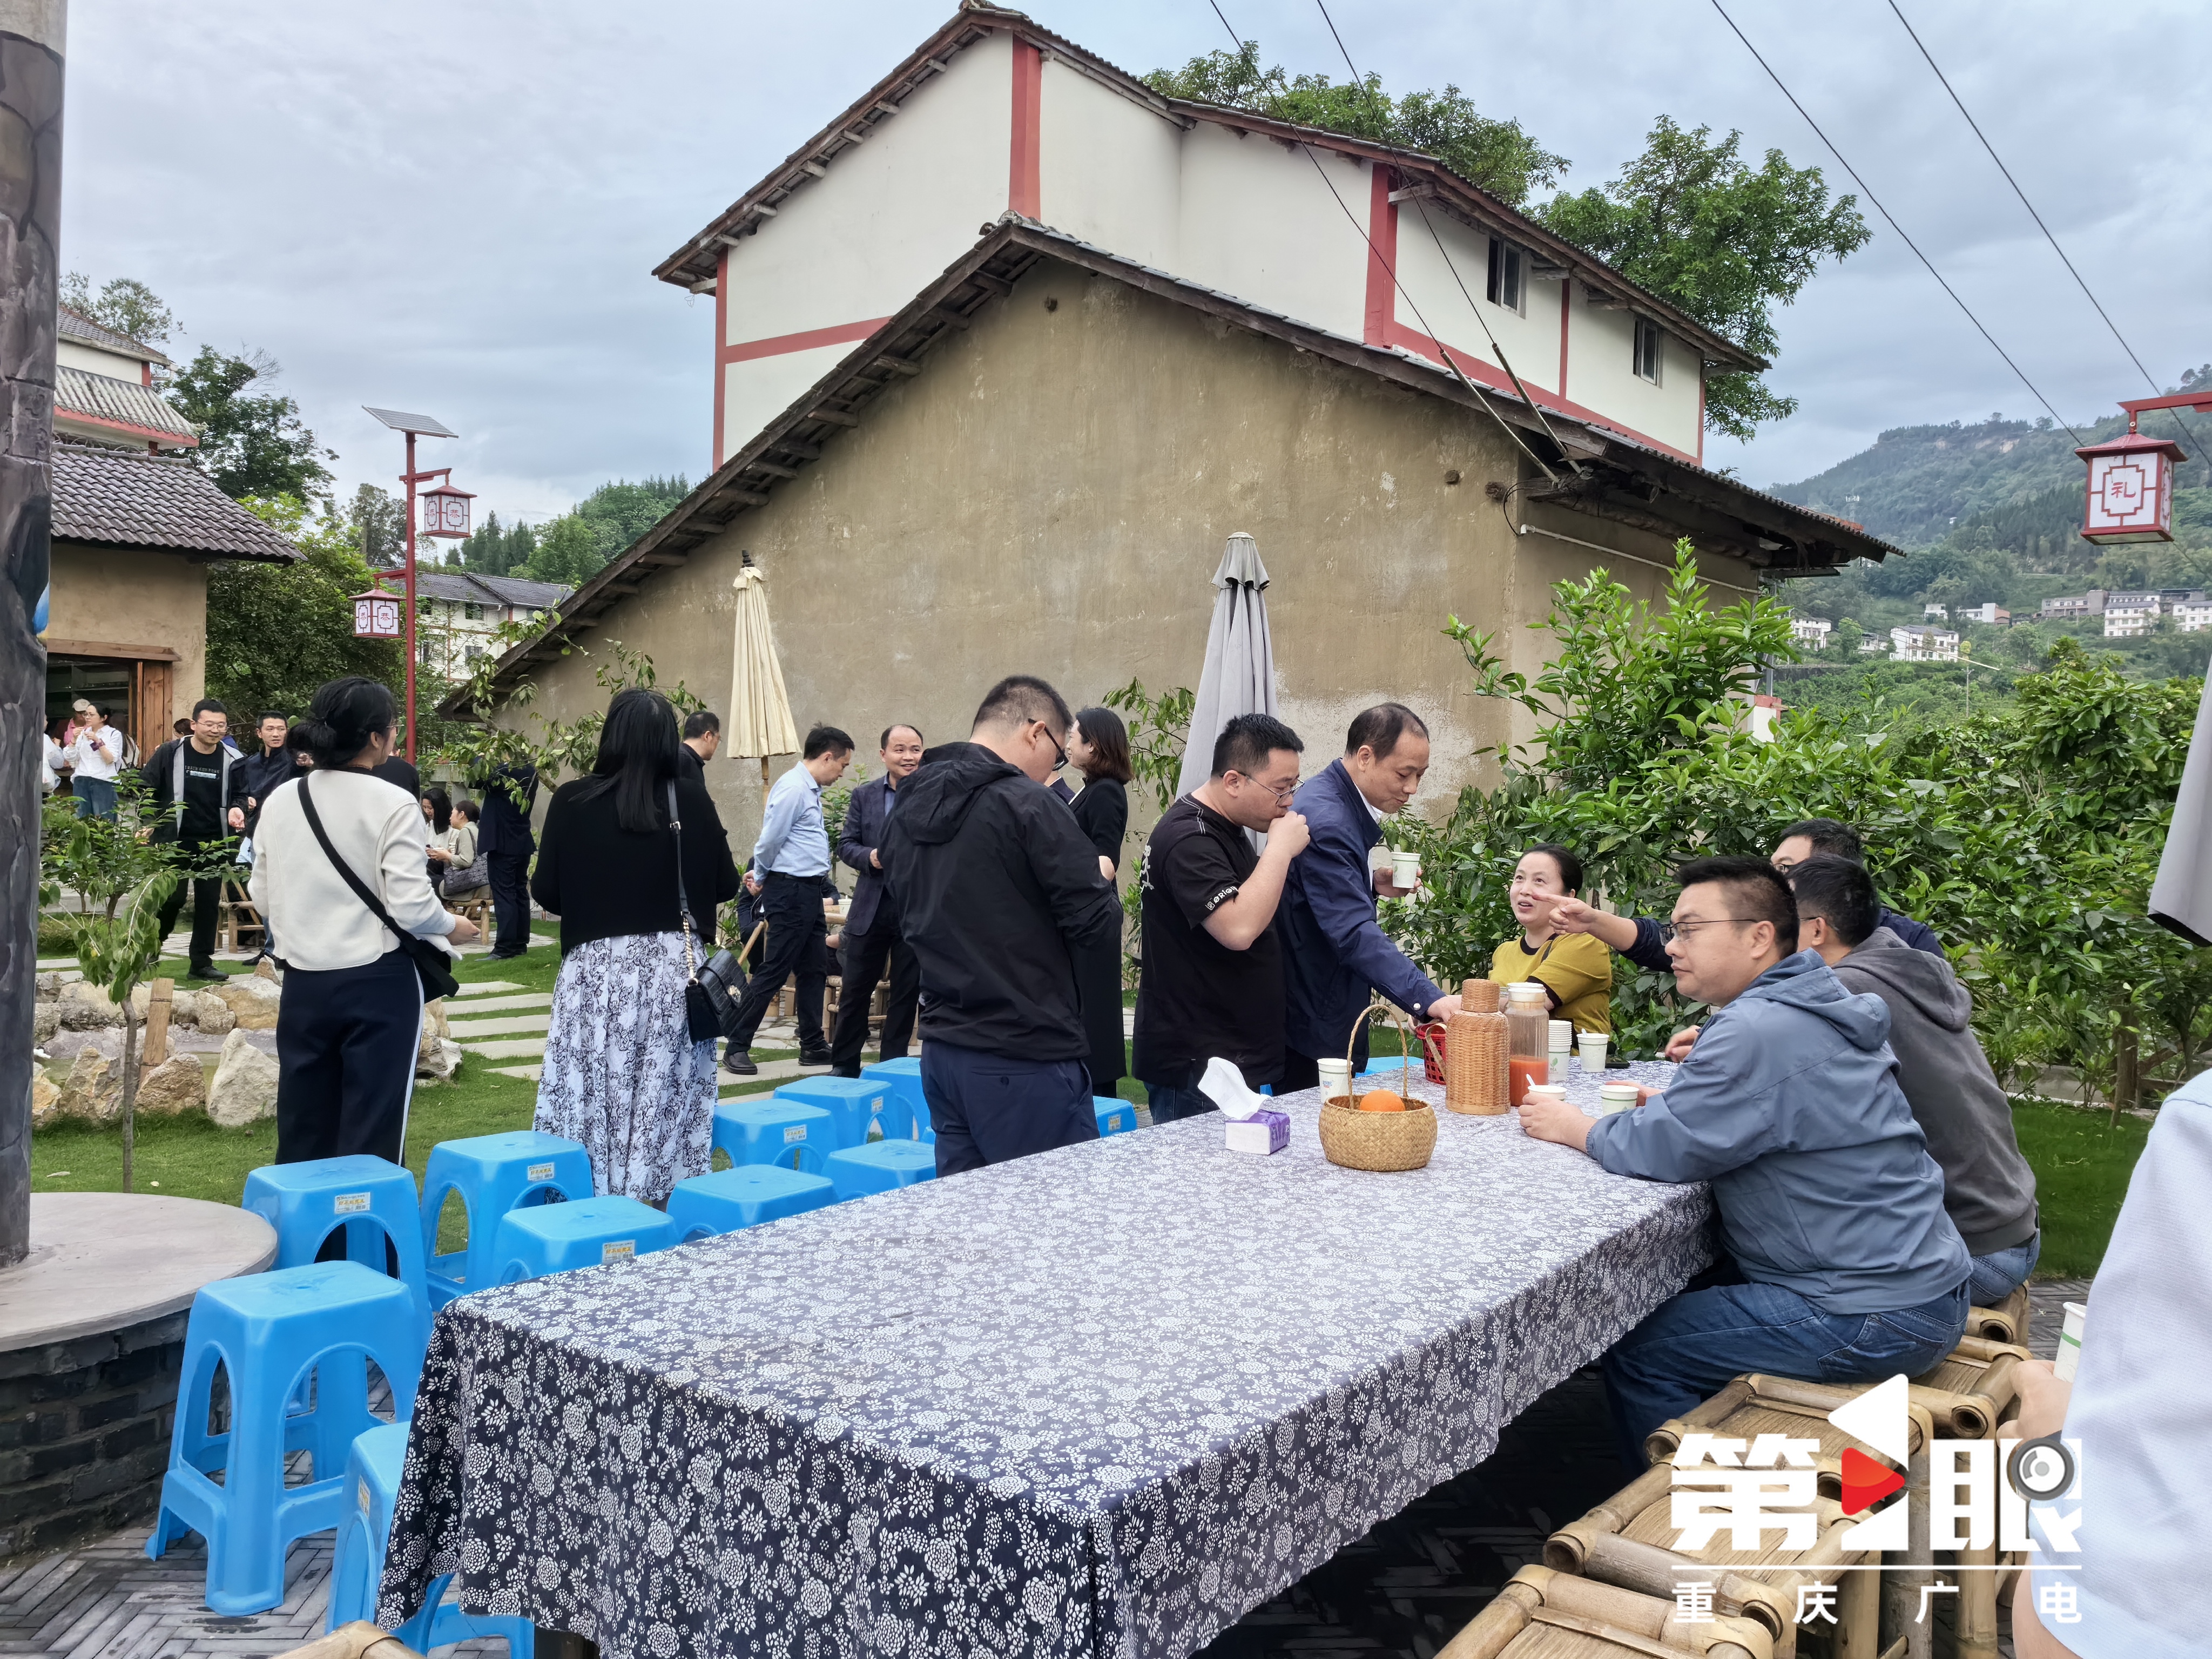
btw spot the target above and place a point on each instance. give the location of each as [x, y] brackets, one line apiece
[45, 1020]
[93, 1092]
[434, 1020]
[245, 1086]
[178, 1084]
[253, 1002]
[266, 969]
[438, 1059]
[45, 1099]
[50, 986]
[211, 1017]
[85, 1007]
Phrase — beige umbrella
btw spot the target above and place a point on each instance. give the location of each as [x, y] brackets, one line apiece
[759, 723]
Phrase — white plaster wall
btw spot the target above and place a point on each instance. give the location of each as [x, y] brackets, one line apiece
[1258, 222]
[890, 215]
[1601, 376]
[93, 361]
[1531, 340]
[1110, 170]
[761, 388]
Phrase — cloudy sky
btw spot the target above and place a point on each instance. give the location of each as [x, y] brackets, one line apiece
[454, 208]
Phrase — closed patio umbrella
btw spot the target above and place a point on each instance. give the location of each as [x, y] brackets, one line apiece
[1239, 674]
[759, 722]
[2181, 897]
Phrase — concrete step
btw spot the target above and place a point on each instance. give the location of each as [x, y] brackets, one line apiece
[498, 1025]
[491, 987]
[508, 1048]
[509, 1005]
[527, 1073]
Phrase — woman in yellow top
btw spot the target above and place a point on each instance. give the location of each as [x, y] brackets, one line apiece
[1576, 969]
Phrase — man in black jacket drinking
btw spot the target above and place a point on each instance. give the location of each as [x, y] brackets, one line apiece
[995, 888]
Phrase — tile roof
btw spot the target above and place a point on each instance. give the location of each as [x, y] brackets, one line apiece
[122, 498]
[76, 325]
[472, 587]
[123, 405]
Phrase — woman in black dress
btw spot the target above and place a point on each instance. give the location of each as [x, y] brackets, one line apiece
[1100, 750]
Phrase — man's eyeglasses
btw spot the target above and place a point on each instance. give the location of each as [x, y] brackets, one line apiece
[1669, 930]
[1282, 796]
[1060, 754]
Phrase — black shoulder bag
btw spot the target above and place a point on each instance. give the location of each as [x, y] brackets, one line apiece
[431, 961]
[711, 994]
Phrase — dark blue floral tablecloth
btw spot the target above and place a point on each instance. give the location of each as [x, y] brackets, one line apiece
[1102, 1401]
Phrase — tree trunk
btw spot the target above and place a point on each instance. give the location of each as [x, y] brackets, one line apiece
[2127, 1085]
[129, 1084]
[30, 218]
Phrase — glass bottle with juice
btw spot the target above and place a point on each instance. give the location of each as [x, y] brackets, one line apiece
[1527, 1037]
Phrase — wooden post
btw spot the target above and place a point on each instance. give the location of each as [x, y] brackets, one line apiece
[31, 45]
[159, 998]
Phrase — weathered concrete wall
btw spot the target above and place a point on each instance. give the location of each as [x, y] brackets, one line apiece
[1051, 495]
[122, 596]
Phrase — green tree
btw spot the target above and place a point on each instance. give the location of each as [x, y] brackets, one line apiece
[494, 549]
[251, 443]
[377, 520]
[1690, 220]
[619, 512]
[124, 304]
[1497, 156]
[567, 552]
[276, 632]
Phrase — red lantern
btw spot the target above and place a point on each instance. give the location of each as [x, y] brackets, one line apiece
[2130, 489]
[376, 615]
[446, 511]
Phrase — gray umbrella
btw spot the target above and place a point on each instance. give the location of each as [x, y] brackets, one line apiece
[1239, 675]
[2181, 897]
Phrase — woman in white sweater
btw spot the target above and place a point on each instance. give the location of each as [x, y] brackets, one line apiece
[352, 1019]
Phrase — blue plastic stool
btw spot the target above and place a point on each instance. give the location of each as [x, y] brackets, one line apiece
[773, 1131]
[371, 1198]
[372, 1474]
[853, 1104]
[745, 1195]
[1115, 1117]
[553, 1238]
[493, 1174]
[268, 1331]
[902, 1077]
[881, 1165]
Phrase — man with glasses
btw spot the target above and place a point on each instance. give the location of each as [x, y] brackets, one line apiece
[1841, 1265]
[1213, 976]
[995, 888]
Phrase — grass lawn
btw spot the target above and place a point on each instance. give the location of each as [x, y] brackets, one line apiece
[2082, 1168]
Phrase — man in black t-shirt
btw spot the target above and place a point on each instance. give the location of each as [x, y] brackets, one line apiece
[194, 803]
[1212, 967]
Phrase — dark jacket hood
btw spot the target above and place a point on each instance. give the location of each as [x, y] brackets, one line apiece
[1926, 981]
[1805, 982]
[935, 801]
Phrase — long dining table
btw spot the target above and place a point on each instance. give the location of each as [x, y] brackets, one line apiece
[1104, 1401]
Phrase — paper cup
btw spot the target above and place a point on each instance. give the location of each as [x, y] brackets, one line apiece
[1404, 868]
[2069, 1340]
[1594, 1045]
[1555, 1092]
[1335, 1077]
[1616, 1097]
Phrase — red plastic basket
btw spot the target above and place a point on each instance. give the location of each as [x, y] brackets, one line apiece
[1432, 1048]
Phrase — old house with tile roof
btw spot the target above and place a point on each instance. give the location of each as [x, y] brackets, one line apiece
[104, 390]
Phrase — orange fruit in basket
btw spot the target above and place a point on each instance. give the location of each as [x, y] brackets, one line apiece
[1381, 1100]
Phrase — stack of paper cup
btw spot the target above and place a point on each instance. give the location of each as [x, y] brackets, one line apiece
[1593, 1051]
[2069, 1341]
[1335, 1077]
[1562, 1044]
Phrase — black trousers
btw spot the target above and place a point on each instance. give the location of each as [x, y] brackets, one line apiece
[346, 1041]
[798, 947]
[510, 902]
[207, 901]
[1301, 1072]
[862, 959]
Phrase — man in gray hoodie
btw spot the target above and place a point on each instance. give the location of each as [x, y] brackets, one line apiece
[1845, 1267]
[1988, 1187]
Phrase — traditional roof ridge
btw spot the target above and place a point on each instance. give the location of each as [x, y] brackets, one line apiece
[1635, 474]
[975, 19]
[124, 406]
[106, 338]
[130, 498]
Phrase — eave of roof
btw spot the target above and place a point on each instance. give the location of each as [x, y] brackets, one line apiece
[693, 265]
[76, 325]
[127, 498]
[988, 271]
[120, 405]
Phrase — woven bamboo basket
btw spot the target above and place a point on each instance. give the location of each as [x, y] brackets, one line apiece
[1380, 1140]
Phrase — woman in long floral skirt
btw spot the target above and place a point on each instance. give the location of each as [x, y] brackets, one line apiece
[623, 1074]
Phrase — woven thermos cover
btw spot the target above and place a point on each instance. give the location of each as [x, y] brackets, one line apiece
[1475, 1053]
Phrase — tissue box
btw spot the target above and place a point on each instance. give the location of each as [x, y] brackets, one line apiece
[1263, 1133]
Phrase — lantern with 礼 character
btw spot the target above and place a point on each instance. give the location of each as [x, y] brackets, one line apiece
[376, 615]
[2130, 496]
[446, 511]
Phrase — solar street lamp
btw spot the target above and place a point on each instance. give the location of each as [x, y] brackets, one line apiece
[443, 501]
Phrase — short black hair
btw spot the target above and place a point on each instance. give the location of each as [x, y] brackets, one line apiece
[1828, 836]
[269, 714]
[1380, 727]
[464, 807]
[345, 714]
[181, 727]
[1247, 741]
[826, 740]
[208, 706]
[700, 721]
[1020, 698]
[98, 707]
[1570, 867]
[1840, 893]
[1756, 890]
[885, 741]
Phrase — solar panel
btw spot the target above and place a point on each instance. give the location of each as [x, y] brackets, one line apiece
[399, 421]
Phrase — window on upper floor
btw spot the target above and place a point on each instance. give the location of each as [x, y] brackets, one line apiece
[1650, 356]
[473, 612]
[1508, 268]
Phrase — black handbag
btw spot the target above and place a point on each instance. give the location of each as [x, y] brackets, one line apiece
[711, 993]
[431, 961]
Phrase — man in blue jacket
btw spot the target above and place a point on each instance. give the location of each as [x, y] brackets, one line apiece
[1336, 958]
[873, 940]
[1846, 1268]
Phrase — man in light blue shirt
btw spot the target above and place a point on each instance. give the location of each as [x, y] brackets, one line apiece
[790, 872]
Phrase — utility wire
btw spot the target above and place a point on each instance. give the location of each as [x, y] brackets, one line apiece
[1891, 219]
[2079, 281]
